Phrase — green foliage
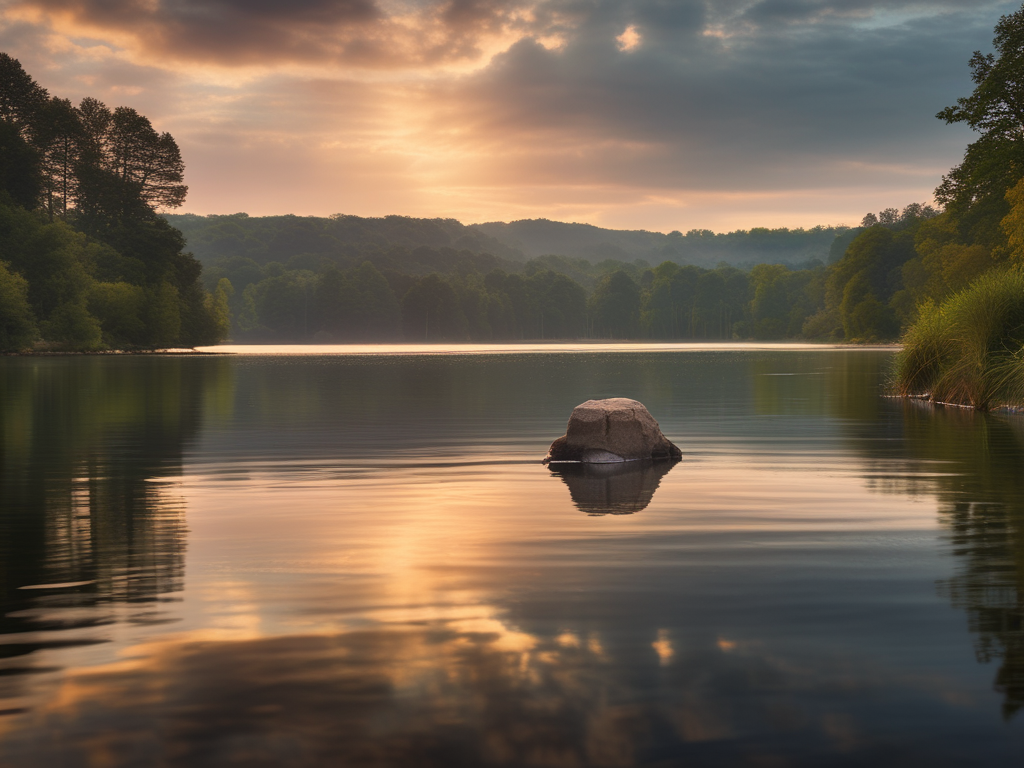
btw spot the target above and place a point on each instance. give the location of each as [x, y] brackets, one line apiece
[782, 300]
[415, 246]
[221, 307]
[284, 305]
[540, 237]
[690, 302]
[163, 315]
[199, 322]
[72, 327]
[861, 286]
[356, 306]
[21, 98]
[21, 180]
[120, 309]
[1013, 224]
[431, 311]
[53, 257]
[974, 191]
[615, 307]
[561, 304]
[17, 324]
[968, 350]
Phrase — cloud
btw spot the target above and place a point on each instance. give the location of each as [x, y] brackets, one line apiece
[267, 32]
[768, 111]
[483, 109]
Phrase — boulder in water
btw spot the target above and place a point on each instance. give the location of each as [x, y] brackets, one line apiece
[609, 431]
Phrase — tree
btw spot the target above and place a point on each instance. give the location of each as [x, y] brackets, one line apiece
[615, 307]
[327, 302]
[562, 304]
[285, 304]
[61, 135]
[164, 315]
[126, 167]
[120, 308]
[17, 325]
[145, 160]
[1013, 223]
[771, 302]
[52, 257]
[373, 311]
[870, 273]
[974, 191]
[21, 98]
[71, 326]
[221, 307]
[20, 173]
[431, 312]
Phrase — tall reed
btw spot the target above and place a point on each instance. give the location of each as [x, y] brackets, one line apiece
[968, 350]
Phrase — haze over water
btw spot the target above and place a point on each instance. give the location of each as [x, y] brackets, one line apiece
[324, 559]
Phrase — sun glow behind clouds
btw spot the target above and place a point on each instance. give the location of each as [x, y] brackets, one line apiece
[636, 115]
[629, 39]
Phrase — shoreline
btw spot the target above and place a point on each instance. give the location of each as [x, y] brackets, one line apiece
[111, 353]
[428, 348]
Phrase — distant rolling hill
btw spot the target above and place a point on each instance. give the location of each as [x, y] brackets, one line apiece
[423, 245]
[343, 239]
[743, 248]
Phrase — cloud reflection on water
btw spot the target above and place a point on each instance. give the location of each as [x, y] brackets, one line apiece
[349, 602]
[444, 695]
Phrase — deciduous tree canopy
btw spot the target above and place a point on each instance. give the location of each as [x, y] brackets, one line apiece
[80, 188]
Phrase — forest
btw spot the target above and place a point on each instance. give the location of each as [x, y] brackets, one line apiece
[345, 237]
[86, 263]
[291, 278]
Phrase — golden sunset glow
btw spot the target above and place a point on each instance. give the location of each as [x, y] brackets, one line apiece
[626, 117]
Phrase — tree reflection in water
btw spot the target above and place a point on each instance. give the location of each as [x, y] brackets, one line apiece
[81, 523]
[973, 463]
[980, 488]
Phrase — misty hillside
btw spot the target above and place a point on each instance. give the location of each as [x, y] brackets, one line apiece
[304, 241]
[539, 237]
[418, 246]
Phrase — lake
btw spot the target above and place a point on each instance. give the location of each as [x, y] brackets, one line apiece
[302, 557]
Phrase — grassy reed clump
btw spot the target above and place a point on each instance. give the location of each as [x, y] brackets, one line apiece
[968, 350]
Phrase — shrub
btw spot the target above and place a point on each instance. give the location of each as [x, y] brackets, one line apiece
[17, 325]
[968, 350]
[71, 326]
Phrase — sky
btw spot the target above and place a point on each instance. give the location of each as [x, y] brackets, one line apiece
[637, 114]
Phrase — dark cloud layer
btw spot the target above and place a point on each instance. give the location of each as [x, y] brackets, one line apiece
[238, 32]
[757, 108]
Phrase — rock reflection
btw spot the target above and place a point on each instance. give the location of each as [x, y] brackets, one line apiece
[612, 489]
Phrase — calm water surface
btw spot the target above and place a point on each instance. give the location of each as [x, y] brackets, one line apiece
[328, 559]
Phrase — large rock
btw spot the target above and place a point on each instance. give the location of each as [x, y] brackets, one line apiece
[610, 431]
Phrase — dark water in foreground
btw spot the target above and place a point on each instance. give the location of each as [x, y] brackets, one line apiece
[330, 560]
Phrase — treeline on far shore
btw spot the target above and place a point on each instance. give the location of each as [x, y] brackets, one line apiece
[443, 294]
